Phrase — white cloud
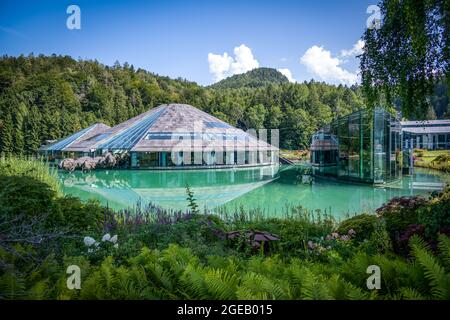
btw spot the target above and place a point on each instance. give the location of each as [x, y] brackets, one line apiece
[222, 66]
[355, 51]
[319, 61]
[288, 74]
[219, 65]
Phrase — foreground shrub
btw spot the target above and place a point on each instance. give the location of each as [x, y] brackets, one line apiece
[409, 216]
[435, 215]
[363, 225]
[76, 215]
[28, 197]
[36, 169]
[399, 213]
[25, 195]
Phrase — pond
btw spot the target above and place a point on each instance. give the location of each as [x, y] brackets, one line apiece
[269, 189]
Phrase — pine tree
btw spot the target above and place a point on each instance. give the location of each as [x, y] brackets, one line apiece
[19, 138]
[6, 137]
[32, 131]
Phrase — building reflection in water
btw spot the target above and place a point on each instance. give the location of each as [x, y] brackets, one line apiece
[125, 188]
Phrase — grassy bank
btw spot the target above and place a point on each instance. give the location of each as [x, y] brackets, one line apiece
[295, 155]
[152, 253]
[436, 159]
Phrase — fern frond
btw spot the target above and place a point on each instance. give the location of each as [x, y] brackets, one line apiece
[12, 286]
[434, 272]
[220, 284]
[193, 283]
[444, 249]
[411, 294]
[38, 291]
[262, 287]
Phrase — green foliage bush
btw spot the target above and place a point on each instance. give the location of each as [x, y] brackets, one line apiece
[363, 225]
[29, 167]
[31, 189]
[28, 197]
[399, 213]
[22, 195]
[435, 215]
[75, 214]
[379, 241]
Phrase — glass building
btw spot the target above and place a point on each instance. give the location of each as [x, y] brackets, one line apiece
[364, 146]
[169, 136]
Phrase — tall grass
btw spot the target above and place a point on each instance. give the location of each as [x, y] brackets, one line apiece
[289, 212]
[30, 167]
[149, 213]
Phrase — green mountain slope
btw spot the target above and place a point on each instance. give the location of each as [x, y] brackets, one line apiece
[255, 78]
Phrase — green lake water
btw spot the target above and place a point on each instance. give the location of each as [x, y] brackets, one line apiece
[266, 188]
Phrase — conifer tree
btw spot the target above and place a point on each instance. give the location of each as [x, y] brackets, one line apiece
[6, 137]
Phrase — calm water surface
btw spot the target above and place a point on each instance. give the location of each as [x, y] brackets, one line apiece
[267, 188]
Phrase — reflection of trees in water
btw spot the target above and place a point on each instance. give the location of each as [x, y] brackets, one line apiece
[295, 175]
[112, 180]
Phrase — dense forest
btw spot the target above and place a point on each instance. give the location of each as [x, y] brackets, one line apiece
[48, 97]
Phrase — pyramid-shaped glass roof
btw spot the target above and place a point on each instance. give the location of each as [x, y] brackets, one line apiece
[162, 129]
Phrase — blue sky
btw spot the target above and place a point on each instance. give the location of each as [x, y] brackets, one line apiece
[188, 39]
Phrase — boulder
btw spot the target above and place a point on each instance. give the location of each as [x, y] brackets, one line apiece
[110, 160]
[88, 165]
[68, 164]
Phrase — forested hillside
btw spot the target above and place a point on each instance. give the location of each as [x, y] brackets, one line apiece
[48, 97]
[255, 78]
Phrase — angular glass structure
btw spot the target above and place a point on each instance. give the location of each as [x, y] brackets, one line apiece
[169, 136]
[364, 146]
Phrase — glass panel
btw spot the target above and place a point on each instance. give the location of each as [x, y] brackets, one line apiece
[379, 147]
[343, 147]
[130, 136]
[390, 158]
[395, 148]
[147, 159]
[367, 150]
[354, 145]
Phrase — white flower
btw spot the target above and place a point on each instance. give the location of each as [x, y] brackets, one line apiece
[106, 237]
[113, 239]
[89, 241]
[116, 245]
[97, 244]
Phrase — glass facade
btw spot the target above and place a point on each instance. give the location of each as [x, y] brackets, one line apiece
[364, 146]
[430, 141]
[205, 158]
